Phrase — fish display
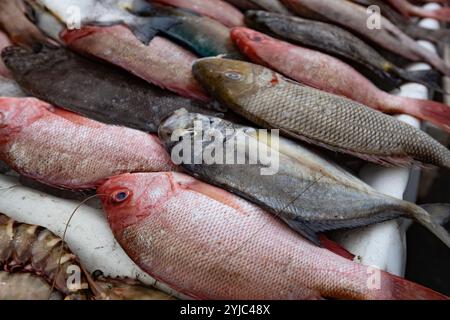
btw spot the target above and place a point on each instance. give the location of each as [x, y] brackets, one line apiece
[215, 9]
[69, 151]
[9, 88]
[38, 252]
[268, 5]
[161, 62]
[65, 79]
[407, 9]
[334, 122]
[204, 36]
[309, 193]
[413, 30]
[18, 27]
[342, 44]
[327, 73]
[354, 17]
[180, 230]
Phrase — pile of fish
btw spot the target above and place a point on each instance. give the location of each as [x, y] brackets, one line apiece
[103, 98]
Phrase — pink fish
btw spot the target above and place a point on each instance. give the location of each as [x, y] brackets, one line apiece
[210, 244]
[161, 62]
[64, 150]
[216, 9]
[407, 9]
[330, 74]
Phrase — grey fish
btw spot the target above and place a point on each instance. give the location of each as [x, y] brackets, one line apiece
[268, 5]
[309, 193]
[355, 18]
[101, 92]
[342, 44]
[9, 88]
[415, 31]
[337, 123]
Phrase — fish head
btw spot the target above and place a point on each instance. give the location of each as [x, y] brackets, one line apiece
[17, 113]
[130, 198]
[228, 80]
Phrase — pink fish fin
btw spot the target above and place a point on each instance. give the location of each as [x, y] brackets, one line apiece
[434, 112]
[387, 161]
[396, 288]
[335, 247]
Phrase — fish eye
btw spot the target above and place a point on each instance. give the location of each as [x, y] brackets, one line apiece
[233, 75]
[120, 196]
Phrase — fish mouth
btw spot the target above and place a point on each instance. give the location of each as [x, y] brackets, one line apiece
[178, 120]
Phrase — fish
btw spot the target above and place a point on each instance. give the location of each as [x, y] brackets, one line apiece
[64, 150]
[215, 9]
[65, 79]
[317, 117]
[354, 17]
[329, 74]
[204, 36]
[9, 88]
[308, 192]
[25, 286]
[4, 42]
[47, 23]
[18, 27]
[161, 62]
[342, 44]
[180, 230]
[407, 9]
[437, 36]
[268, 5]
[76, 13]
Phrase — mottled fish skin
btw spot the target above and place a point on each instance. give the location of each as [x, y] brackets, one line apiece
[311, 194]
[354, 18]
[209, 244]
[334, 122]
[4, 42]
[62, 149]
[65, 79]
[20, 29]
[215, 9]
[161, 62]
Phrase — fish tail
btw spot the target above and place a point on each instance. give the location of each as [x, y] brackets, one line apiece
[396, 288]
[432, 111]
[432, 217]
[429, 78]
[146, 28]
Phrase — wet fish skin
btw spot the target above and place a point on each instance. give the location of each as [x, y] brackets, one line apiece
[354, 18]
[25, 286]
[62, 149]
[267, 5]
[215, 9]
[45, 21]
[321, 118]
[65, 79]
[340, 43]
[181, 230]
[161, 62]
[407, 9]
[4, 42]
[324, 72]
[311, 194]
[19, 28]
[204, 36]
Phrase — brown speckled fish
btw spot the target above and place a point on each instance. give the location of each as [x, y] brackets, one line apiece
[64, 150]
[337, 123]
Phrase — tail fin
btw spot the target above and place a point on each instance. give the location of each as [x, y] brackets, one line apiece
[434, 112]
[432, 216]
[146, 28]
[401, 289]
[429, 78]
